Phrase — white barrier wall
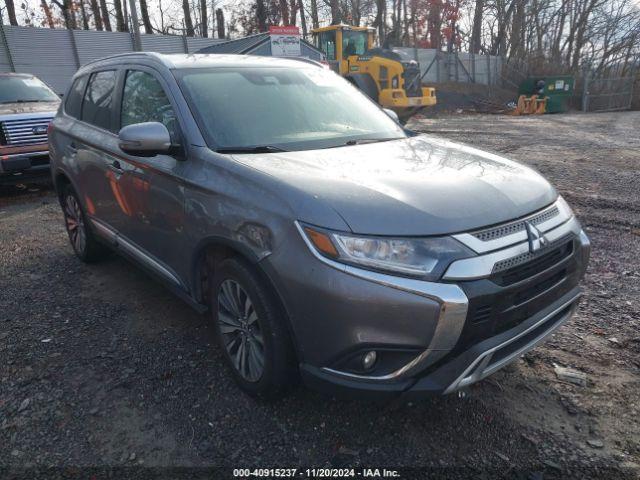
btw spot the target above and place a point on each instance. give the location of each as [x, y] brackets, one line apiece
[54, 55]
[437, 66]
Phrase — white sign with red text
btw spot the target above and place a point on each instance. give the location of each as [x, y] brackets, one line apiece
[285, 41]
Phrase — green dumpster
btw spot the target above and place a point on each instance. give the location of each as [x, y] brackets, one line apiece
[558, 89]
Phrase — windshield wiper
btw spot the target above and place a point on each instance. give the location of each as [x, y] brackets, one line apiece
[21, 100]
[363, 141]
[256, 149]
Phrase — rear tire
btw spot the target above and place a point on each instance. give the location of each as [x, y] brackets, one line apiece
[86, 247]
[251, 330]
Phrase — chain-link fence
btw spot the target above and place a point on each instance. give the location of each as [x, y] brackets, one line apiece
[607, 91]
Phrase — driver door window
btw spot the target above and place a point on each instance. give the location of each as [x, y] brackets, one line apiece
[144, 100]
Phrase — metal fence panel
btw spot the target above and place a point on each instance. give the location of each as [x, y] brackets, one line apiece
[93, 45]
[162, 43]
[437, 66]
[46, 53]
[195, 43]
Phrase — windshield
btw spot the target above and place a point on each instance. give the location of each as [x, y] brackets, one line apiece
[24, 89]
[287, 108]
[353, 43]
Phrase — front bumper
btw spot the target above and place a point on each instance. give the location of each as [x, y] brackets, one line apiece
[460, 371]
[397, 98]
[431, 337]
[19, 166]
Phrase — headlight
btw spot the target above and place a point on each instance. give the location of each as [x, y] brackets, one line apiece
[417, 257]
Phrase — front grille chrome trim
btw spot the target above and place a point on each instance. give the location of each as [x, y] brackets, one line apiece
[484, 241]
[18, 130]
[482, 266]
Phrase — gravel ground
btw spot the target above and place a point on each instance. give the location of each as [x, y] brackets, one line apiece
[102, 367]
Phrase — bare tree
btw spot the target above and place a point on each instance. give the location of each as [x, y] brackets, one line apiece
[477, 27]
[144, 12]
[47, 14]
[66, 7]
[204, 28]
[220, 23]
[188, 23]
[261, 15]
[95, 10]
[11, 11]
[105, 15]
[121, 25]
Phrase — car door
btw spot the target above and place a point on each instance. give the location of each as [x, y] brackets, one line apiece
[152, 187]
[95, 146]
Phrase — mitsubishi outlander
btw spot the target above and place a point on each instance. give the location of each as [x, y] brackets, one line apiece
[326, 242]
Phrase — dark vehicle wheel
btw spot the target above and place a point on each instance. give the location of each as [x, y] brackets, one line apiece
[84, 244]
[251, 330]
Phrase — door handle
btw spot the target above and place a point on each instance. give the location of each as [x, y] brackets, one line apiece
[116, 167]
[72, 148]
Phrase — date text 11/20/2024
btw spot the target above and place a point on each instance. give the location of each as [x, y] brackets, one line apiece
[315, 472]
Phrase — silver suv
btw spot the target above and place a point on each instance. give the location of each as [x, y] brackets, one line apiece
[326, 241]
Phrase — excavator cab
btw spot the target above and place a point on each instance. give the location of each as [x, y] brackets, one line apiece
[382, 74]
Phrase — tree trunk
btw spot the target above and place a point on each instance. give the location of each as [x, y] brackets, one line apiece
[105, 15]
[95, 10]
[315, 21]
[220, 23]
[476, 31]
[303, 20]
[11, 11]
[261, 15]
[188, 23]
[380, 19]
[293, 8]
[144, 11]
[284, 12]
[121, 26]
[83, 14]
[67, 12]
[435, 25]
[336, 15]
[47, 14]
[204, 19]
[517, 30]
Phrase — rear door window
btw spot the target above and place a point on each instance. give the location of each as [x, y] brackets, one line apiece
[98, 99]
[73, 104]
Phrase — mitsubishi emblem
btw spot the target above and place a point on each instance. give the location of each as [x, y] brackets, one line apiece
[537, 240]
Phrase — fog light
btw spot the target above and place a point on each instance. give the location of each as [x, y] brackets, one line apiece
[369, 359]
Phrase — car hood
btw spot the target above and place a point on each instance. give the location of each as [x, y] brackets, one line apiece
[30, 107]
[416, 186]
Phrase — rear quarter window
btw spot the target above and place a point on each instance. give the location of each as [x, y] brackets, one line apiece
[73, 103]
[98, 99]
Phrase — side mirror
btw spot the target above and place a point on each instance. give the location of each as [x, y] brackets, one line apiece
[144, 139]
[392, 114]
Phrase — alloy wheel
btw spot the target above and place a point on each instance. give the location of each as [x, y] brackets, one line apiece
[241, 333]
[75, 224]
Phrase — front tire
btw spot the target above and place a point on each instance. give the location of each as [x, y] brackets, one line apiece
[84, 244]
[251, 330]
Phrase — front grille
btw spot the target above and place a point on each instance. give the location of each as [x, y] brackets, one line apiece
[515, 227]
[528, 264]
[21, 132]
[506, 299]
[482, 313]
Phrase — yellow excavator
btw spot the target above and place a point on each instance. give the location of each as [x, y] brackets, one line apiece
[383, 74]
